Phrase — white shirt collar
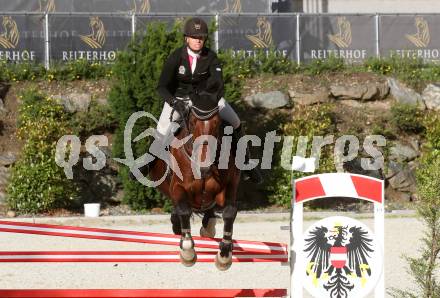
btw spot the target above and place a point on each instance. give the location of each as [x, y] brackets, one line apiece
[192, 53]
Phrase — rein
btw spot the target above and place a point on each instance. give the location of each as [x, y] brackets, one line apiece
[207, 114]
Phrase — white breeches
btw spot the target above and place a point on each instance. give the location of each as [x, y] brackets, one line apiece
[226, 112]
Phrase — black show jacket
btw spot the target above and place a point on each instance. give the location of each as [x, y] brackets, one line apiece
[176, 79]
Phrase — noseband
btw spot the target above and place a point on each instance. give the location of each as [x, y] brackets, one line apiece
[198, 113]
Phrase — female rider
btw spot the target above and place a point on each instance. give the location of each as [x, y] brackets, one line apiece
[193, 70]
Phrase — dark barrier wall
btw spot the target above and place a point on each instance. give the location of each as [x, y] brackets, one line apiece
[351, 37]
[140, 6]
[22, 38]
[247, 34]
[95, 37]
[21, 5]
[143, 20]
[205, 6]
[410, 36]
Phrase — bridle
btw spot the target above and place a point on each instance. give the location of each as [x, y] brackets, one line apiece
[200, 114]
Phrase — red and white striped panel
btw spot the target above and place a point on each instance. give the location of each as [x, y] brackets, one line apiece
[156, 293]
[339, 185]
[131, 236]
[128, 256]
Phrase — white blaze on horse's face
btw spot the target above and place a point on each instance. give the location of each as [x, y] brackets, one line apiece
[204, 149]
[205, 131]
[203, 158]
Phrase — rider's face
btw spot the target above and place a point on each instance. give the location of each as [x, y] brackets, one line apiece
[195, 43]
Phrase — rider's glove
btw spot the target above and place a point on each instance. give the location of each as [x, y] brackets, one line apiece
[171, 101]
[179, 106]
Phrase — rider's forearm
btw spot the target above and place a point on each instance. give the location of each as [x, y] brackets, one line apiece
[166, 95]
[167, 80]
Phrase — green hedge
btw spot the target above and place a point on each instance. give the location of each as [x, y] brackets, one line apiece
[134, 77]
[311, 121]
[37, 183]
[68, 71]
[136, 74]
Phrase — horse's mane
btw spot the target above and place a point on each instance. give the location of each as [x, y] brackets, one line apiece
[96, 38]
[144, 7]
[50, 6]
[263, 38]
[236, 8]
[98, 35]
[422, 37]
[266, 29]
[11, 35]
[343, 38]
[345, 27]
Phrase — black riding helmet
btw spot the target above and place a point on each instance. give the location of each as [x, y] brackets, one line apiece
[195, 27]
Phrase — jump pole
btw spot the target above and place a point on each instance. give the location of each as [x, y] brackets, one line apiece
[128, 256]
[134, 236]
[137, 293]
[248, 251]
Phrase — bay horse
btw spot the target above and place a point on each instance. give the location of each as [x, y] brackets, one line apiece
[205, 187]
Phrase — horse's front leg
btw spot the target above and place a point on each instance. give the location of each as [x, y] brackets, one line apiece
[208, 224]
[187, 252]
[175, 221]
[223, 259]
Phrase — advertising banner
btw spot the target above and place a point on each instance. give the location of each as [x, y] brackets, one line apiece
[247, 34]
[90, 37]
[350, 37]
[171, 20]
[22, 38]
[139, 6]
[410, 36]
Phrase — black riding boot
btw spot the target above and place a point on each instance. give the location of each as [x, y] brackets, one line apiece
[254, 174]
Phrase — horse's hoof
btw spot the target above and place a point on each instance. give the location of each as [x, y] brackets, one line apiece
[221, 263]
[209, 231]
[188, 258]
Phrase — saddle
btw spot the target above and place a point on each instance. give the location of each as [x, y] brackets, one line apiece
[203, 107]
